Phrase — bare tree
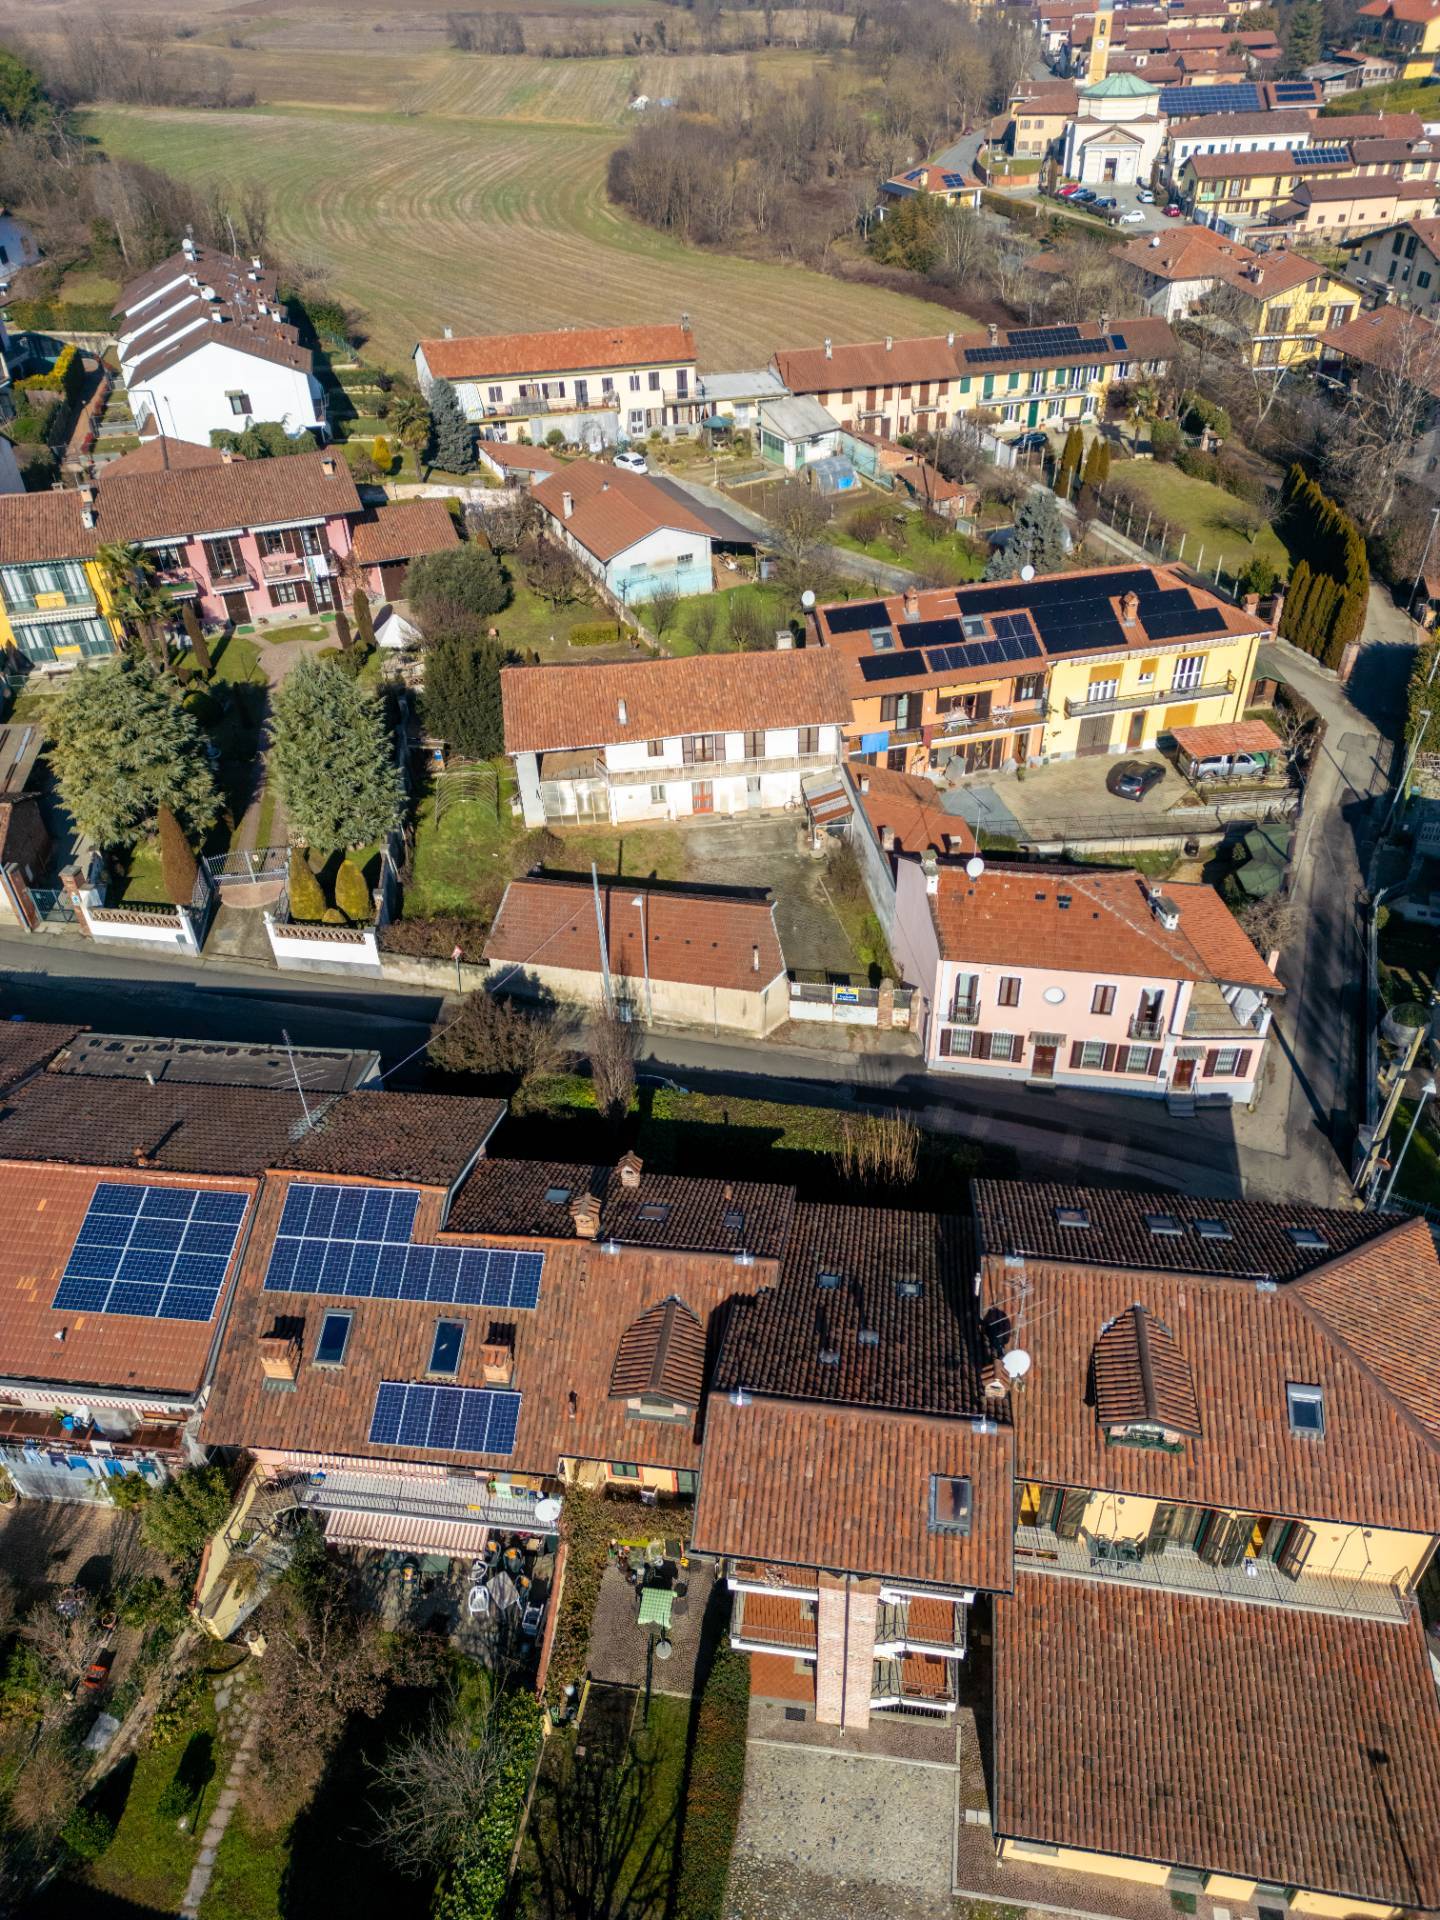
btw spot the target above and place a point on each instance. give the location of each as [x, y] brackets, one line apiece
[554, 572]
[65, 1641]
[507, 521]
[500, 1038]
[799, 520]
[878, 1150]
[1390, 403]
[663, 604]
[436, 1787]
[612, 1061]
[1269, 923]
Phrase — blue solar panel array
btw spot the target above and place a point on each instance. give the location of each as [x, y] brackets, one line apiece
[450, 1419]
[1319, 156]
[1187, 103]
[1294, 93]
[158, 1253]
[355, 1242]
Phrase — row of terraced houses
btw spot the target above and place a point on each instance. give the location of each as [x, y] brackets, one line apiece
[1134, 1492]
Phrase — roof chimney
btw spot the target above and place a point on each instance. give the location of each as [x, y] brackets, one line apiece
[567, 503]
[912, 604]
[497, 1357]
[622, 711]
[930, 867]
[629, 1168]
[1129, 609]
[1104, 323]
[829, 351]
[994, 334]
[1155, 240]
[449, 332]
[327, 464]
[585, 1212]
[864, 783]
[950, 338]
[755, 959]
[889, 341]
[1165, 910]
[279, 1356]
[887, 839]
[226, 456]
[256, 261]
[1251, 603]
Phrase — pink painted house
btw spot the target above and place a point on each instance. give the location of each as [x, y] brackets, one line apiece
[1082, 977]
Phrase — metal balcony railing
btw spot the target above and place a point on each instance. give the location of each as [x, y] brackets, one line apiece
[1146, 1027]
[1151, 697]
[1024, 713]
[965, 1013]
[283, 566]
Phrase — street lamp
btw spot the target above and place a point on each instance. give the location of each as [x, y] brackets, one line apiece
[639, 901]
[1427, 1092]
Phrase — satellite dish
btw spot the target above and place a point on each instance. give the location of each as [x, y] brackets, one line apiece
[807, 599]
[974, 866]
[1027, 572]
[547, 1512]
[1015, 1364]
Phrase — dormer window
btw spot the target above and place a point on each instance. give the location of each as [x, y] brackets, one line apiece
[1213, 1230]
[1072, 1217]
[657, 1210]
[1307, 1239]
[1306, 1407]
[827, 1282]
[950, 1504]
[1141, 1384]
[1164, 1225]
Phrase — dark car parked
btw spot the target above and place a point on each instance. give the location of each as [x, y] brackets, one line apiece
[1133, 779]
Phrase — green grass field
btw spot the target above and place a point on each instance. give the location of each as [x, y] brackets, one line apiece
[1204, 514]
[485, 208]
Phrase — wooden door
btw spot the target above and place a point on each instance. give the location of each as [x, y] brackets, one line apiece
[1094, 734]
[1136, 736]
[1043, 1067]
[237, 608]
[1184, 1076]
[702, 796]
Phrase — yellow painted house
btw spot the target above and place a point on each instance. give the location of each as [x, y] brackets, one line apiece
[1051, 377]
[56, 612]
[1407, 29]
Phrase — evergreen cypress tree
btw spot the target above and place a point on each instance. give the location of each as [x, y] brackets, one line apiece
[364, 625]
[307, 900]
[343, 632]
[454, 437]
[196, 638]
[1296, 595]
[352, 896]
[461, 701]
[1069, 461]
[177, 862]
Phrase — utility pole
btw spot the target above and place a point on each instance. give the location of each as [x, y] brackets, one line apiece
[604, 948]
[639, 901]
[1426, 1093]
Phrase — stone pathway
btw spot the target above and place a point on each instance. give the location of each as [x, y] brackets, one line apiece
[236, 1716]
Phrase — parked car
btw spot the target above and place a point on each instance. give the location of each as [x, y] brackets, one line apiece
[1133, 218]
[1174, 212]
[632, 461]
[1069, 191]
[1133, 779]
[1085, 195]
[1145, 197]
[1035, 442]
[1228, 766]
[1107, 205]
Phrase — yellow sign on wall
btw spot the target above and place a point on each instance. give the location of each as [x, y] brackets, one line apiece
[67, 653]
[49, 600]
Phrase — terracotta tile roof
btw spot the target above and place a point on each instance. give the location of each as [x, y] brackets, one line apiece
[1375, 1463]
[557, 707]
[1290, 1748]
[212, 268]
[1384, 151]
[1217, 126]
[1060, 97]
[1143, 336]
[402, 530]
[1391, 339]
[162, 455]
[781, 1618]
[849, 1488]
[1415, 12]
[661, 1352]
[24, 841]
[777, 1676]
[1279, 164]
[44, 1209]
[428, 1138]
[871, 364]
[170, 505]
[569, 349]
[1381, 186]
[1231, 736]
[679, 1211]
[505, 453]
[1199, 253]
[1089, 919]
[564, 1353]
[1428, 232]
[28, 1045]
[909, 807]
[258, 340]
[696, 936]
[611, 509]
[841, 1279]
[1140, 1373]
[1361, 126]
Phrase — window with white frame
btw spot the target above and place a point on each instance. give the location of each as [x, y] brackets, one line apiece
[657, 796]
[1189, 672]
[1137, 1059]
[1092, 1053]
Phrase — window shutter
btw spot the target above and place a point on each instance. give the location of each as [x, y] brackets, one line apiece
[1077, 1050]
[981, 1046]
[1160, 1528]
[1152, 1064]
[1073, 1503]
[1296, 1550]
[1242, 1064]
[1212, 1060]
[1107, 1063]
[946, 1036]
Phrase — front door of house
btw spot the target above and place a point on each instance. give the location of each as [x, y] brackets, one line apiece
[1184, 1076]
[1136, 737]
[1094, 734]
[237, 608]
[1043, 1065]
[1033, 416]
[702, 796]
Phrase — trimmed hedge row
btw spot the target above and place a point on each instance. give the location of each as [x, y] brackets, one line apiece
[714, 1790]
[591, 1523]
[59, 316]
[64, 377]
[475, 1887]
[595, 633]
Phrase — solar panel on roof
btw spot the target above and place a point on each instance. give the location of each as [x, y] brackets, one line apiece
[355, 1242]
[888, 666]
[445, 1419]
[932, 633]
[1175, 626]
[1008, 624]
[858, 616]
[953, 179]
[1185, 103]
[1319, 156]
[154, 1253]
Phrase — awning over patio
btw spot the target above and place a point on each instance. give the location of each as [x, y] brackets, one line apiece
[405, 1532]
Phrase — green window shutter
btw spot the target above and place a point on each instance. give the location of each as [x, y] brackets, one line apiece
[1073, 1503]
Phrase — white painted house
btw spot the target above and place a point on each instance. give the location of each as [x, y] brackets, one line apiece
[204, 345]
[665, 739]
[637, 538]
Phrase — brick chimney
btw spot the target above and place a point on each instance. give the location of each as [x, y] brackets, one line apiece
[279, 1356]
[930, 867]
[912, 604]
[1129, 609]
[327, 465]
[567, 503]
[629, 1168]
[829, 349]
[889, 341]
[226, 456]
[585, 1212]
[1251, 603]
[497, 1357]
[755, 959]
[994, 334]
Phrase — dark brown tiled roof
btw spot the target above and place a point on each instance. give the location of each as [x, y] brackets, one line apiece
[402, 530]
[171, 1127]
[925, 1356]
[555, 707]
[162, 455]
[43, 1211]
[664, 1210]
[848, 1488]
[1141, 1374]
[1291, 1748]
[26, 1045]
[662, 1352]
[1015, 1216]
[564, 1354]
[430, 1138]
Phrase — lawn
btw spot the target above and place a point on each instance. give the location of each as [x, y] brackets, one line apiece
[1203, 514]
[144, 879]
[918, 545]
[1419, 1177]
[461, 865]
[773, 607]
[531, 625]
[486, 209]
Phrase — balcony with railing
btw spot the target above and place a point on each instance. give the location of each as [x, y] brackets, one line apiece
[1179, 1568]
[773, 1623]
[1151, 697]
[1147, 1026]
[456, 1498]
[230, 575]
[534, 403]
[921, 1624]
[917, 1683]
[1210, 1016]
[962, 726]
[771, 1577]
[181, 583]
[964, 1012]
[46, 606]
[283, 565]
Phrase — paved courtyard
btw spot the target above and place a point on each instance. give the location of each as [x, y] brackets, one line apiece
[1065, 793]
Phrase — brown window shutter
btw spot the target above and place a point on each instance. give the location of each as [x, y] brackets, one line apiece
[945, 1038]
[1152, 1065]
[981, 1044]
[1073, 1503]
[1077, 1049]
[1296, 1550]
[1212, 1060]
[1242, 1063]
[1107, 1064]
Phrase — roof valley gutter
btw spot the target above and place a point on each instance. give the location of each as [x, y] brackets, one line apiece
[230, 1291]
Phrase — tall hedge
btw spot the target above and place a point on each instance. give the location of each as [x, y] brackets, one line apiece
[58, 316]
[66, 376]
[1326, 611]
[714, 1790]
[475, 1887]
